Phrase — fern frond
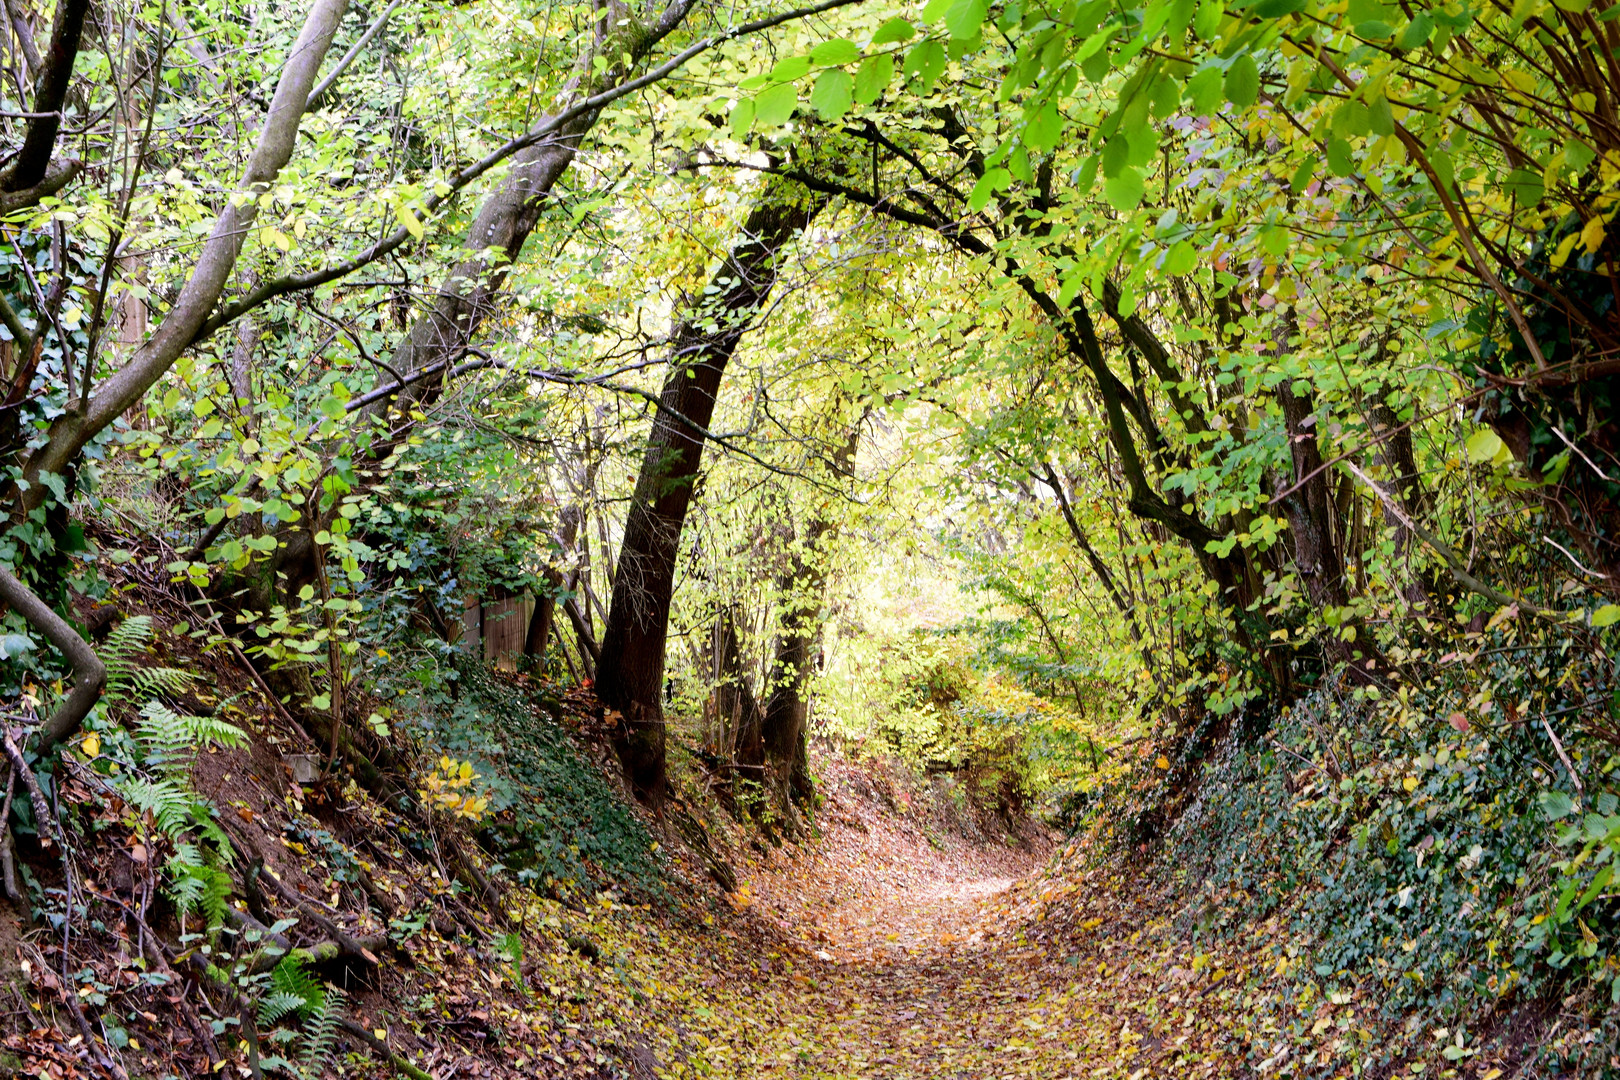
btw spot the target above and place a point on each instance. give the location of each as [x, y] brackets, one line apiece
[276, 1005]
[127, 676]
[170, 740]
[185, 891]
[167, 800]
[321, 1032]
[290, 977]
[152, 681]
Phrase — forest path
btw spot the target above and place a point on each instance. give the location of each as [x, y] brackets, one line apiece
[923, 956]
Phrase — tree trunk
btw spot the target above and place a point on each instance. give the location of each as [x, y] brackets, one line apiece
[630, 674]
[787, 710]
[736, 711]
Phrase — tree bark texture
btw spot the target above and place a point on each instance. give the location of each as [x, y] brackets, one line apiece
[630, 675]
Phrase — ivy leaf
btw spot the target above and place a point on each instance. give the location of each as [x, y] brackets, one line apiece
[832, 94]
[1556, 804]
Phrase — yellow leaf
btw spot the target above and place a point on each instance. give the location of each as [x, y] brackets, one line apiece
[412, 223]
[1163, 762]
[91, 745]
[1410, 783]
[1592, 236]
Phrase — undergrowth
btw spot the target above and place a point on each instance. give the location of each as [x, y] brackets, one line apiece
[553, 817]
[1415, 845]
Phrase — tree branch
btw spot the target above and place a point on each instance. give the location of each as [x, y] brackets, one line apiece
[89, 674]
[28, 168]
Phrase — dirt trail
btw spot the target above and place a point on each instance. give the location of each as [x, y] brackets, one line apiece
[922, 956]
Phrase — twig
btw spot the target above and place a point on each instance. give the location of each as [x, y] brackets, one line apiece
[8, 866]
[1574, 777]
[1572, 558]
[1558, 431]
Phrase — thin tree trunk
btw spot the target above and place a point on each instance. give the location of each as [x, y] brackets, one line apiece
[787, 710]
[630, 676]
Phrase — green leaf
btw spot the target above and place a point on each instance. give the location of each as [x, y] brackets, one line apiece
[1304, 174]
[895, 29]
[1556, 804]
[1607, 615]
[742, 118]
[1207, 23]
[1243, 82]
[832, 94]
[965, 17]
[1116, 155]
[837, 51]
[1374, 30]
[1340, 160]
[873, 77]
[1276, 9]
[926, 60]
[1124, 192]
[1181, 258]
[990, 183]
[774, 106]
[1203, 91]
[1577, 155]
[935, 10]
[332, 407]
[1525, 185]
[1043, 131]
[14, 645]
[1416, 33]
[1380, 118]
[1483, 445]
[794, 67]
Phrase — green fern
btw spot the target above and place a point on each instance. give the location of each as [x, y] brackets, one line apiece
[168, 800]
[199, 888]
[170, 741]
[320, 1033]
[127, 677]
[277, 1005]
[290, 977]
